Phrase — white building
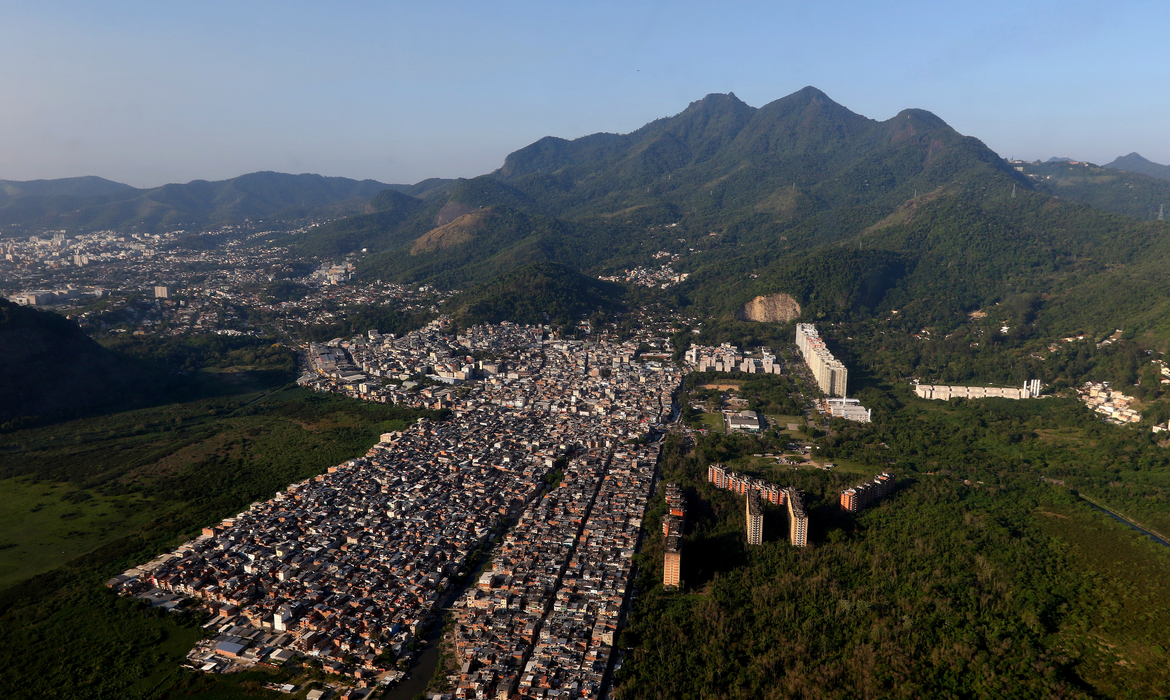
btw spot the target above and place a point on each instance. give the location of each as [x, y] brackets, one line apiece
[830, 373]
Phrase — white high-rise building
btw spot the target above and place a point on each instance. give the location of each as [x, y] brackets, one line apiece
[831, 375]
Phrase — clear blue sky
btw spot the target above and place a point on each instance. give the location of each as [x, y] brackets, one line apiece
[154, 92]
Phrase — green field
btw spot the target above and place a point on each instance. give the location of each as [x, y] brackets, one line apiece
[712, 421]
[848, 466]
[44, 524]
[781, 423]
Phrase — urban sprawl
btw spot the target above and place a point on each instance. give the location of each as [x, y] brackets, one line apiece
[545, 466]
[555, 438]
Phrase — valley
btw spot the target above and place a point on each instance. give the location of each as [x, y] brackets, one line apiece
[560, 337]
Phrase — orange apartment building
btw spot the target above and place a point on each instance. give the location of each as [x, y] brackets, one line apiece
[673, 523]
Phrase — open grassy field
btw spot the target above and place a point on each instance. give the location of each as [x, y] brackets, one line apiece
[781, 422]
[713, 421]
[843, 465]
[44, 524]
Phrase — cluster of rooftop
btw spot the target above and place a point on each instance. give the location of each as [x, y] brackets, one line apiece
[379, 369]
[829, 373]
[662, 278]
[728, 358]
[327, 300]
[352, 563]
[57, 249]
[329, 273]
[867, 493]
[1112, 404]
[542, 620]
[1030, 390]
[673, 523]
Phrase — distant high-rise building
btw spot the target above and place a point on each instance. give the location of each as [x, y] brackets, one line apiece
[672, 528]
[857, 497]
[797, 518]
[831, 375]
[755, 518]
[672, 562]
[162, 292]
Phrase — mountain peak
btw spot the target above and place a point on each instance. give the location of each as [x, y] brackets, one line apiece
[811, 91]
[718, 99]
[1134, 163]
[922, 115]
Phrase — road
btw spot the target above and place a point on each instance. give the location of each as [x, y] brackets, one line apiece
[1126, 521]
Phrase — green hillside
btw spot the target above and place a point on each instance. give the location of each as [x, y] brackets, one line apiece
[850, 215]
[1107, 188]
[53, 369]
[538, 293]
[1134, 163]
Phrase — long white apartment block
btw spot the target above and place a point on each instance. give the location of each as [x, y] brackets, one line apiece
[831, 375]
[1030, 390]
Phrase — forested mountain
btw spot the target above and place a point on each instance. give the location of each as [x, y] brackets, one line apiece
[1105, 188]
[93, 203]
[539, 293]
[70, 186]
[721, 157]
[849, 215]
[1134, 163]
[53, 369]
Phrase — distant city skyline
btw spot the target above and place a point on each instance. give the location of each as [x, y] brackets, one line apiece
[148, 94]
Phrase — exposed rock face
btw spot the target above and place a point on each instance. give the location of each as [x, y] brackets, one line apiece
[450, 212]
[770, 308]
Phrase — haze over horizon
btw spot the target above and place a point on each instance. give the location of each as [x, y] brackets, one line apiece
[148, 94]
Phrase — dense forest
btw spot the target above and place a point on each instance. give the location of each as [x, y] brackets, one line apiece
[974, 579]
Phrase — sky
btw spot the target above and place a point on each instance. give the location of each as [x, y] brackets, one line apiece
[156, 92]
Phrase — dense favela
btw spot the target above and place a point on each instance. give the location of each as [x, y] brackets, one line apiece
[548, 456]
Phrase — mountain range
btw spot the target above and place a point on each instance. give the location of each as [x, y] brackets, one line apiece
[1103, 187]
[846, 214]
[93, 203]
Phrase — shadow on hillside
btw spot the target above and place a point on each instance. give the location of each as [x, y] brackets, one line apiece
[157, 388]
